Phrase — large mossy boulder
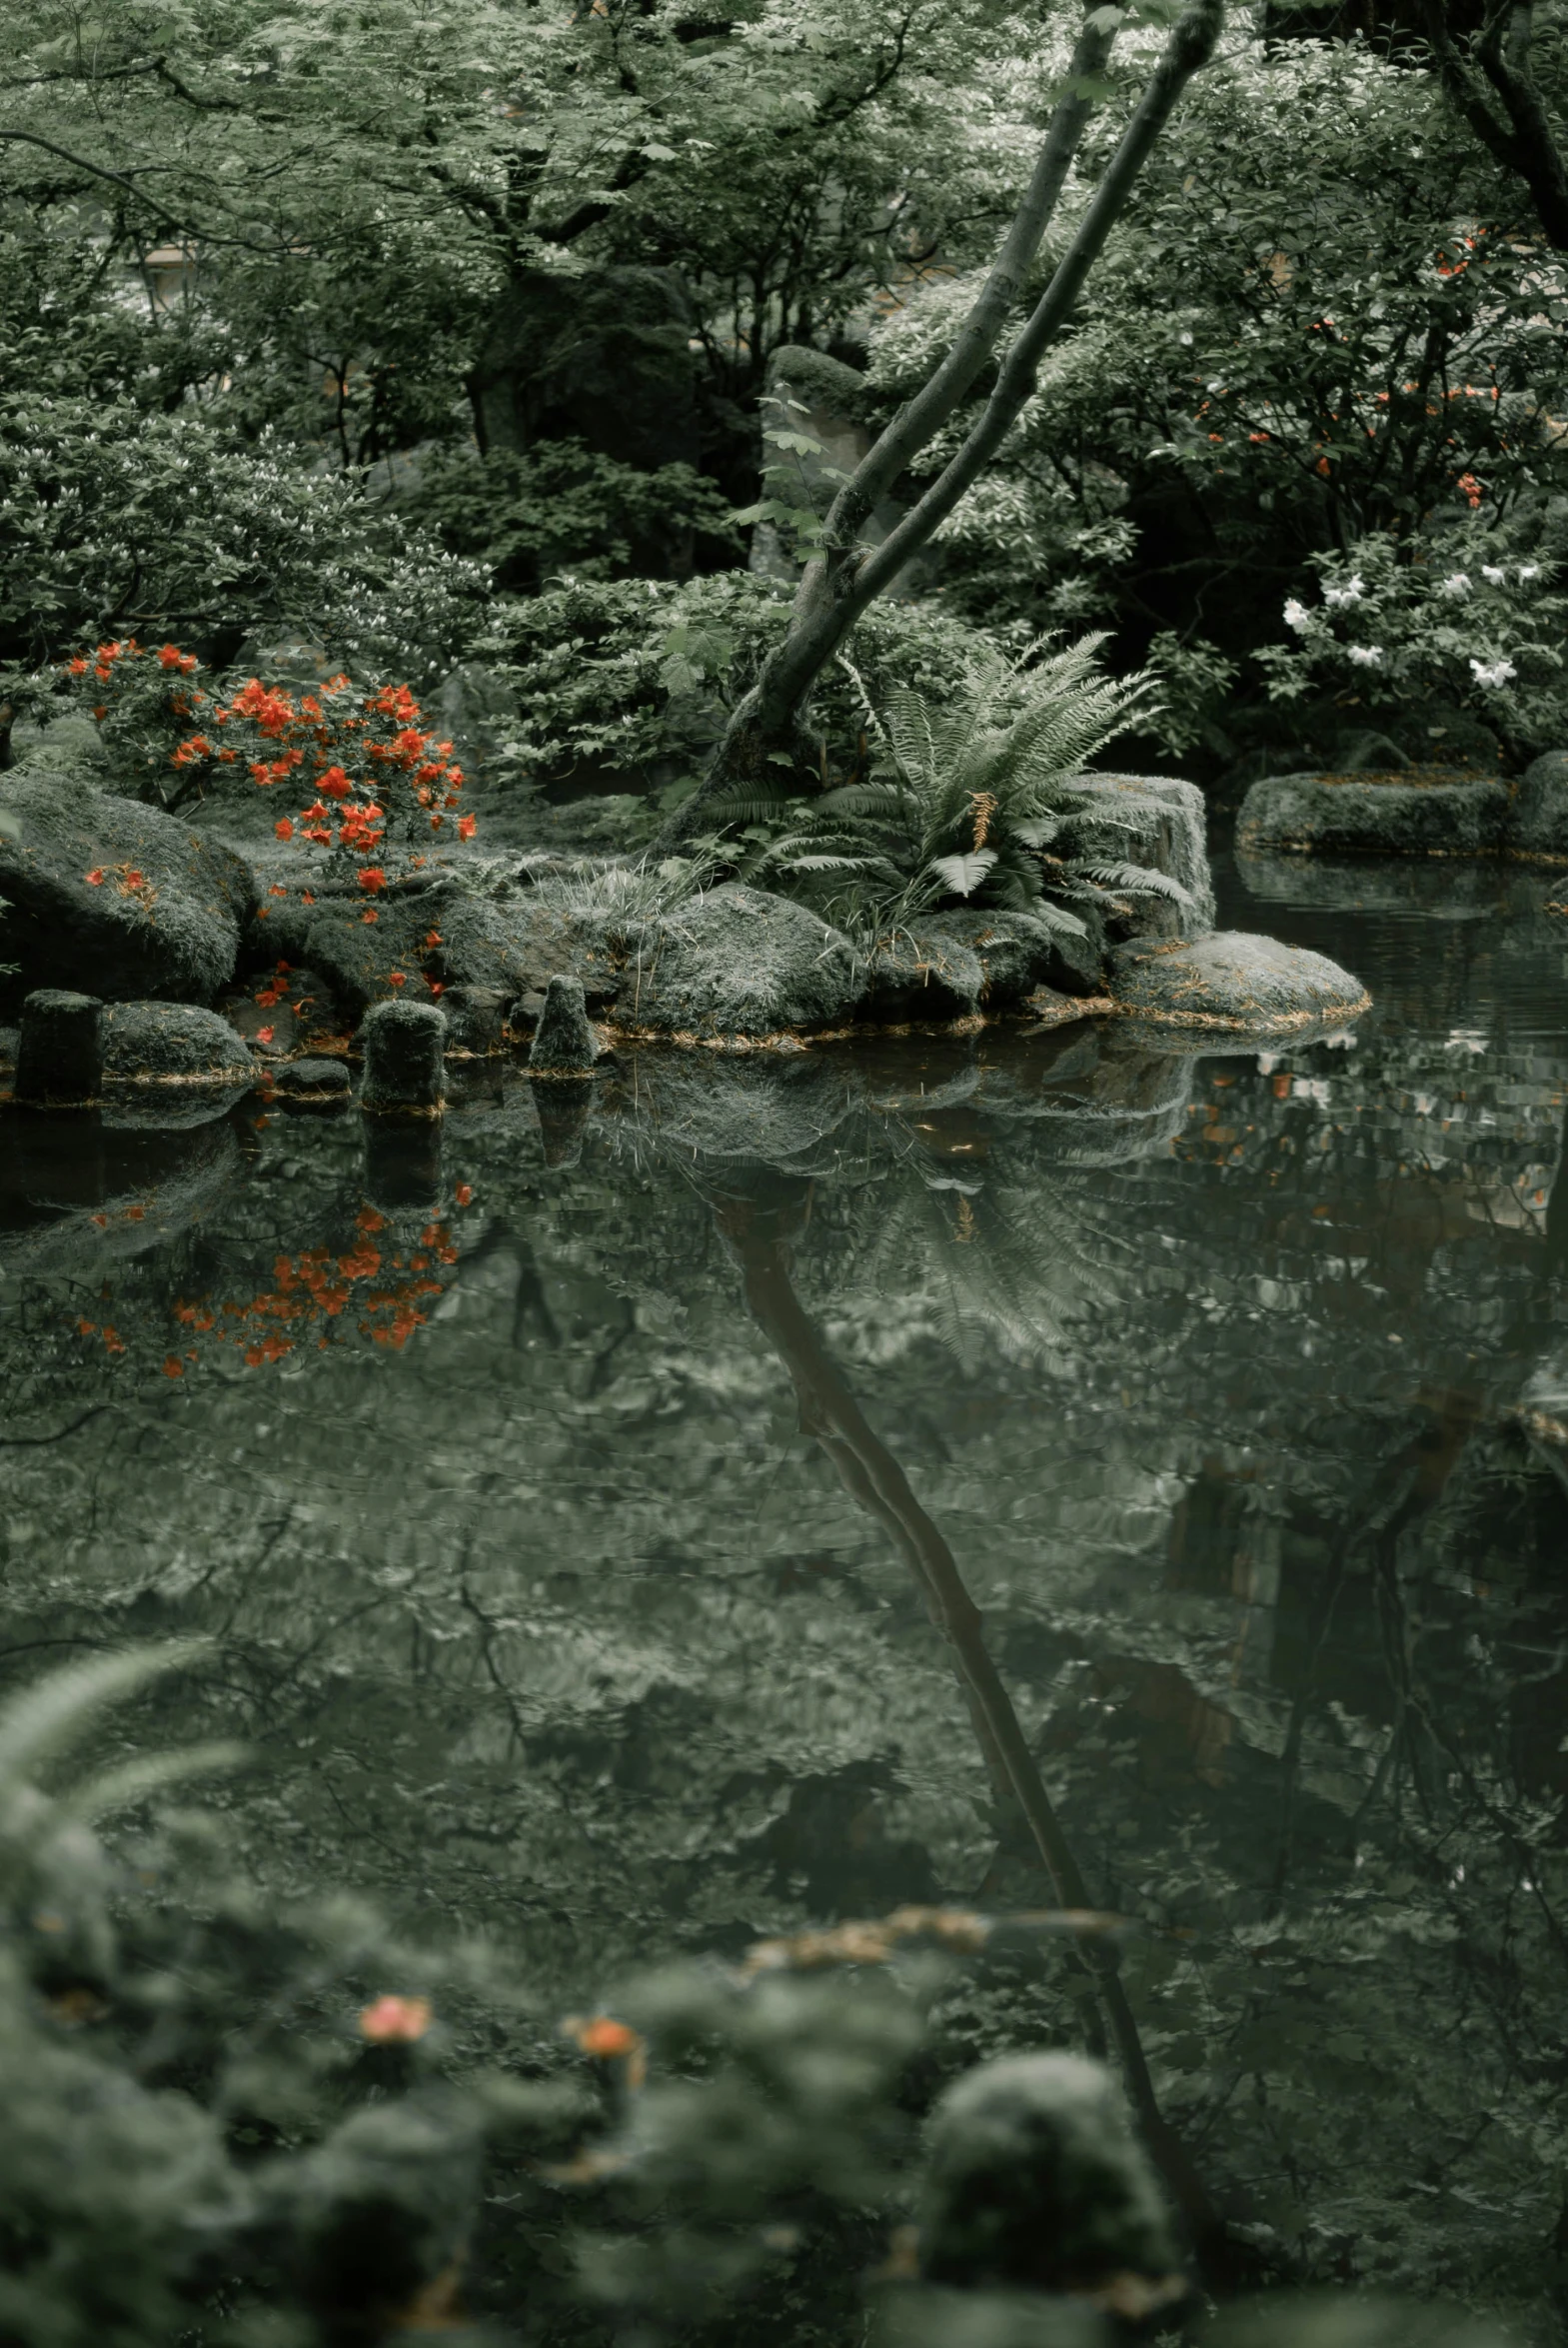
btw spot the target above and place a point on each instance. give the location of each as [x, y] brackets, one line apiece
[114, 897]
[1234, 981]
[1019, 952]
[1362, 814]
[739, 963]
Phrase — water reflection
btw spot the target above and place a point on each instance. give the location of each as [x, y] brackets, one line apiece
[1235, 1381]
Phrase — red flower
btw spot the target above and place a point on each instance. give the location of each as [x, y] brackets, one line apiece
[465, 826]
[95, 878]
[396, 979]
[464, 1194]
[283, 829]
[78, 667]
[264, 1034]
[371, 876]
[172, 1366]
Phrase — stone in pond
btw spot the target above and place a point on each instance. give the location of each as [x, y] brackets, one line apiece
[476, 1020]
[1540, 813]
[739, 962]
[1035, 2181]
[1355, 814]
[565, 1044]
[1234, 981]
[59, 1053]
[106, 895]
[173, 1044]
[1018, 951]
[315, 1084]
[404, 1045]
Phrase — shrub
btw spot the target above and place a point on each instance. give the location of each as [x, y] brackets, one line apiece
[122, 523]
[563, 507]
[1403, 628]
[370, 775]
[637, 676]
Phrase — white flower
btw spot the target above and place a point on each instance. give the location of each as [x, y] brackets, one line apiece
[1336, 598]
[1457, 583]
[1296, 614]
[1494, 572]
[1366, 656]
[1492, 672]
[1529, 571]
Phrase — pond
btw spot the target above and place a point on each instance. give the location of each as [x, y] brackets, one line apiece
[568, 1498]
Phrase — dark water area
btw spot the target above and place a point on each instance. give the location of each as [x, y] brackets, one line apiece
[568, 1499]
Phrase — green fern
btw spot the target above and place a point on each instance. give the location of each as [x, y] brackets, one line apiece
[976, 801]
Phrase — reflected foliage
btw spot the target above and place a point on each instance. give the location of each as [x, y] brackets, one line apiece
[1222, 1380]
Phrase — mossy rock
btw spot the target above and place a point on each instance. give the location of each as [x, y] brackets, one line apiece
[113, 898]
[173, 1044]
[1235, 982]
[739, 963]
[1414, 812]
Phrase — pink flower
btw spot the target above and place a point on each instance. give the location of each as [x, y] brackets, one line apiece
[392, 2021]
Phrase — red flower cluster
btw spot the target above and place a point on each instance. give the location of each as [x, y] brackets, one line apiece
[363, 766]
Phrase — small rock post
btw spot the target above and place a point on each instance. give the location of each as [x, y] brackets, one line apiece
[404, 1045]
[565, 1044]
[59, 1059]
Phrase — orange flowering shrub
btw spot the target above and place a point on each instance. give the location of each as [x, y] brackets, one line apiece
[359, 772]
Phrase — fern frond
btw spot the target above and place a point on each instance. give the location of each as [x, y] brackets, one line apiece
[1138, 880]
[61, 1709]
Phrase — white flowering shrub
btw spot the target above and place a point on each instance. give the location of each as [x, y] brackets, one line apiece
[120, 523]
[1401, 625]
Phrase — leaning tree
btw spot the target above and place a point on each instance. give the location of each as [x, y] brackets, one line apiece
[847, 574]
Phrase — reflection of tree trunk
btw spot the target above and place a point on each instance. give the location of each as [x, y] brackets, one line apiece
[876, 1483]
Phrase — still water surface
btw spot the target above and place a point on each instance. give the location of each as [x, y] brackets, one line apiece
[568, 1516]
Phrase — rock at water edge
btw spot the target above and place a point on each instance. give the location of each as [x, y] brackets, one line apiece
[109, 897]
[59, 1053]
[739, 962]
[173, 1044]
[1350, 816]
[1234, 981]
[565, 1044]
[404, 1045]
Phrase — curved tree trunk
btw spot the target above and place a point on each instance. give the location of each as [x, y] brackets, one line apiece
[846, 577]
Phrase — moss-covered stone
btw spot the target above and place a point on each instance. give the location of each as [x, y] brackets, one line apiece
[565, 1044]
[1160, 821]
[173, 1044]
[1035, 2181]
[924, 972]
[59, 1054]
[1539, 826]
[114, 897]
[739, 963]
[404, 1045]
[1236, 982]
[1375, 816]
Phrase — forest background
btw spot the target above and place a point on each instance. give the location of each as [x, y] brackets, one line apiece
[428, 334]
